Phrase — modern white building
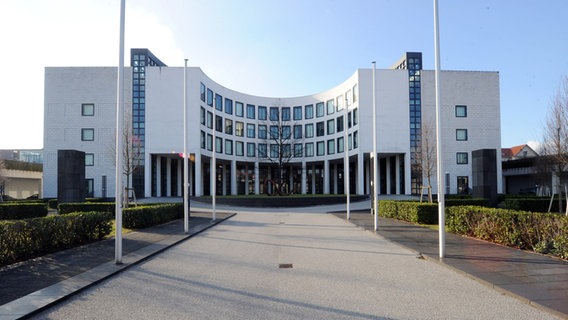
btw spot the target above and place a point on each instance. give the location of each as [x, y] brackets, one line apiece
[249, 132]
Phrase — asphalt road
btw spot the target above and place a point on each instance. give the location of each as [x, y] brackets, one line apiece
[284, 265]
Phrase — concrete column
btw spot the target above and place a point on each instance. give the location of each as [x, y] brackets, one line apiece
[326, 175]
[335, 177]
[224, 178]
[360, 174]
[304, 169]
[388, 173]
[168, 177]
[190, 178]
[179, 178]
[313, 178]
[256, 179]
[397, 173]
[198, 179]
[147, 176]
[234, 177]
[158, 176]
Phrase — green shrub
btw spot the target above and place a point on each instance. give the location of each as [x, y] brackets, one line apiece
[540, 232]
[412, 211]
[66, 208]
[15, 210]
[26, 239]
[147, 216]
[466, 202]
[532, 204]
[52, 203]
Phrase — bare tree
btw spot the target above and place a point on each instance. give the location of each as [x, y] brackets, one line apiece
[556, 134]
[426, 155]
[282, 144]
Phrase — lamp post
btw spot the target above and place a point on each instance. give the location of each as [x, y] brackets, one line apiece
[346, 158]
[119, 135]
[213, 170]
[185, 155]
[375, 165]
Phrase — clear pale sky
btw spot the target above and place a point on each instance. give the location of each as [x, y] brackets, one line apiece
[286, 48]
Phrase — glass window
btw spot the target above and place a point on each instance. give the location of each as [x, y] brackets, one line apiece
[355, 116]
[463, 184]
[202, 114]
[340, 124]
[461, 111]
[331, 126]
[320, 129]
[340, 103]
[250, 111]
[286, 150]
[350, 141]
[250, 130]
[309, 111]
[320, 109]
[340, 145]
[239, 109]
[348, 97]
[262, 150]
[218, 145]
[309, 149]
[90, 185]
[274, 150]
[461, 158]
[274, 114]
[209, 97]
[298, 131]
[286, 132]
[228, 146]
[330, 106]
[218, 102]
[298, 113]
[251, 149]
[298, 152]
[228, 126]
[320, 148]
[89, 159]
[286, 114]
[87, 109]
[209, 120]
[331, 146]
[87, 134]
[218, 123]
[239, 129]
[355, 93]
[203, 140]
[239, 148]
[355, 139]
[209, 142]
[228, 106]
[274, 132]
[202, 91]
[461, 134]
[309, 130]
[261, 113]
[262, 131]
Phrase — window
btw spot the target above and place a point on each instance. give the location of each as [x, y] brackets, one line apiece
[218, 102]
[331, 146]
[228, 106]
[320, 111]
[239, 109]
[340, 124]
[261, 113]
[90, 185]
[463, 184]
[218, 123]
[87, 109]
[274, 150]
[274, 134]
[330, 106]
[355, 139]
[228, 146]
[202, 114]
[298, 113]
[298, 150]
[320, 131]
[209, 97]
[286, 114]
[298, 131]
[209, 120]
[461, 111]
[239, 148]
[239, 129]
[309, 111]
[355, 116]
[461, 134]
[274, 114]
[262, 150]
[203, 140]
[218, 145]
[209, 142]
[331, 126]
[286, 132]
[89, 159]
[250, 130]
[348, 97]
[87, 134]
[355, 93]
[340, 145]
[262, 131]
[286, 150]
[321, 148]
[251, 149]
[228, 126]
[461, 158]
[309, 130]
[250, 111]
[309, 147]
[340, 103]
[202, 91]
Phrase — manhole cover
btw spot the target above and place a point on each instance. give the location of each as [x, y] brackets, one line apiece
[285, 266]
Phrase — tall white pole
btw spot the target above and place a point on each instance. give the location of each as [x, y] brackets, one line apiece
[185, 154]
[439, 153]
[346, 159]
[375, 165]
[213, 169]
[119, 136]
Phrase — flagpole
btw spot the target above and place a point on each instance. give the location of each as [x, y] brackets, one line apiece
[119, 136]
[439, 154]
[375, 165]
[213, 170]
[185, 154]
[346, 159]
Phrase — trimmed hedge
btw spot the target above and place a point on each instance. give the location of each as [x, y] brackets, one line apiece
[14, 210]
[540, 232]
[147, 216]
[26, 239]
[412, 211]
[531, 204]
[66, 208]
